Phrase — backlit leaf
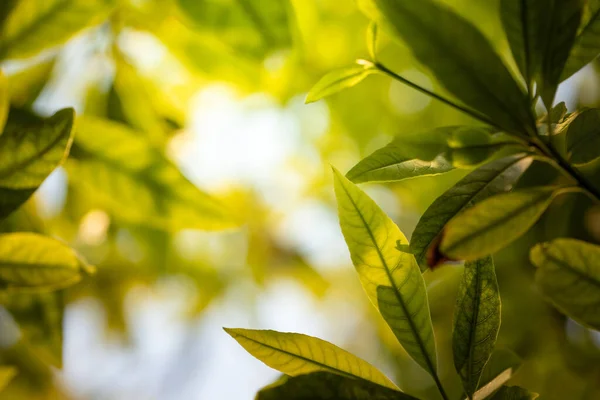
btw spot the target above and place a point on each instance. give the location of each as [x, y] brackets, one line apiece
[4, 101]
[35, 25]
[513, 393]
[340, 79]
[26, 85]
[297, 354]
[30, 149]
[327, 386]
[372, 34]
[476, 321]
[6, 375]
[583, 136]
[33, 261]
[569, 276]
[488, 180]
[458, 55]
[391, 278]
[494, 223]
[587, 44]
[137, 183]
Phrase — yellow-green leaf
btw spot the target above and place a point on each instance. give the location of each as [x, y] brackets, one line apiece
[476, 321]
[494, 223]
[296, 354]
[30, 149]
[340, 79]
[137, 183]
[391, 278]
[4, 101]
[513, 393]
[372, 35]
[326, 386]
[569, 276]
[35, 25]
[6, 375]
[459, 56]
[33, 261]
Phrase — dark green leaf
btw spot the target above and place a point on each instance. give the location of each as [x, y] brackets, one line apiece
[137, 183]
[459, 56]
[476, 321]
[569, 276]
[327, 386]
[488, 180]
[583, 137]
[296, 354]
[30, 149]
[587, 44]
[35, 25]
[513, 393]
[491, 225]
[340, 79]
[391, 278]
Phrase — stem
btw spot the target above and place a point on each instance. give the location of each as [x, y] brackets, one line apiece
[440, 387]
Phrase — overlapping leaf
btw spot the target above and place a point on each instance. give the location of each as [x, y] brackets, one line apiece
[583, 136]
[391, 278]
[476, 321]
[569, 276]
[327, 386]
[340, 79]
[296, 354]
[587, 44]
[488, 180]
[30, 149]
[33, 261]
[459, 56]
[137, 183]
[494, 223]
[514, 393]
[35, 25]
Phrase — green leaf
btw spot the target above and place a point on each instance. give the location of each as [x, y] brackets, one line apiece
[35, 25]
[32, 261]
[486, 181]
[569, 276]
[6, 375]
[137, 183]
[514, 393]
[459, 56]
[499, 369]
[30, 149]
[494, 223]
[583, 137]
[4, 101]
[476, 321]
[391, 278]
[587, 44]
[340, 79]
[252, 27]
[326, 386]
[372, 35]
[25, 86]
[297, 354]
[562, 22]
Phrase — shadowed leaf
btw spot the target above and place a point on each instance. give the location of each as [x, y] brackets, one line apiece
[587, 44]
[583, 136]
[513, 393]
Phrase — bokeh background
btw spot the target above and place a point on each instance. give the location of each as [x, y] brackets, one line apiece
[219, 86]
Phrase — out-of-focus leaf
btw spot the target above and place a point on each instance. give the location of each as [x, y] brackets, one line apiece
[569, 276]
[562, 22]
[488, 180]
[494, 384]
[514, 393]
[476, 321]
[587, 44]
[583, 137]
[372, 34]
[4, 101]
[521, 20]
[26, 85]
[327, 386]
[253, 27]
[30, 149]
[340, 79]
[501, 366]
[296, 354]
[35, 25]
[33, 261]
[40, 320]
[137, 183]
[494, 223]
[6, 375]
[459, 56]
[391, 278]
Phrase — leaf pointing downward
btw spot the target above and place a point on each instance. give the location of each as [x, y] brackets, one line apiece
[391, 278]
[476, 321]
[296, 354]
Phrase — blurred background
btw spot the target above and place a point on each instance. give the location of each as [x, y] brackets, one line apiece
[217, 87]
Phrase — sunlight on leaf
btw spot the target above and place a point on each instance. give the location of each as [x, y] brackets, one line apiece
[296, 354]
[340, 79]
[6, 375]
[569, 276]
[4, 101]
[391, 278]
